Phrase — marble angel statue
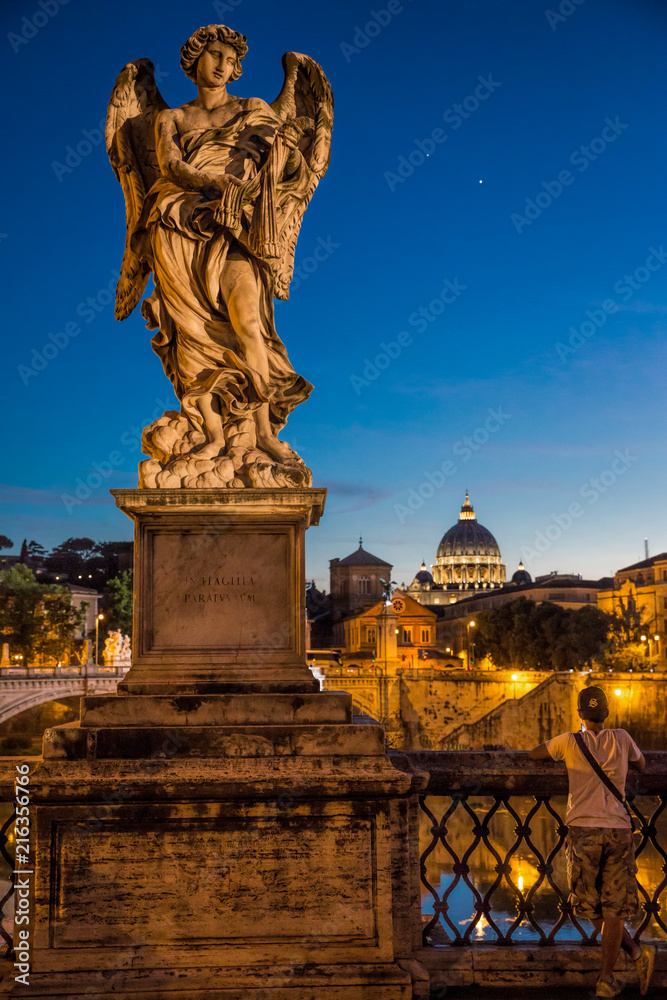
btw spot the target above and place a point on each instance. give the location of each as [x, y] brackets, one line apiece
[112, 647]
[215, 192]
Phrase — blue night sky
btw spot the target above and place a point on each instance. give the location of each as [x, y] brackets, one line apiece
[527, 313]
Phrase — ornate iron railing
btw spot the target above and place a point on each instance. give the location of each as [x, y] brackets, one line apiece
[6, 878]
[493, 837]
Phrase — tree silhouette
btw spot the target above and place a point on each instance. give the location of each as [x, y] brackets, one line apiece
[36, 618]
[524, 635]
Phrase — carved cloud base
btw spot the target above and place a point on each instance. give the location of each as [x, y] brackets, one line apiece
[175, 462]
[191, 472]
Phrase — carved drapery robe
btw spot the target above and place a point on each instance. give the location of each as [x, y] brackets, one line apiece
[190, 238]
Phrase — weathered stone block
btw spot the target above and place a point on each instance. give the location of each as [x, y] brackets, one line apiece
[219, 589]
[72, 743]
[217, 710]
[187, 880]
[174, 877]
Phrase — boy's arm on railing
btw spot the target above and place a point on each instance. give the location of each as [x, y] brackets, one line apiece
[540, 753]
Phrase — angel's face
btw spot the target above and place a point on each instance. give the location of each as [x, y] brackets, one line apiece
[216, 65]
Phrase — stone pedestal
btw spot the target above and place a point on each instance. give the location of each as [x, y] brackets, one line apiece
[220, 828]
[220, 576]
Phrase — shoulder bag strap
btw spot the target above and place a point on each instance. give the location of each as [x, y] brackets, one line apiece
[604, 778]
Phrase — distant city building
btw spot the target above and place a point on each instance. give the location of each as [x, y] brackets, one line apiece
[411, 643]
[521, 576]
[467, 578]
[568, 590]
[642, 587]
[89, 597]
[356, 582]
[468, 559]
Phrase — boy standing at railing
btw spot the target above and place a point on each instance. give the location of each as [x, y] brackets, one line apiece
[600, 854]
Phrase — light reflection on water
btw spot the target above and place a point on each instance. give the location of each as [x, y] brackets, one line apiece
[524, 874]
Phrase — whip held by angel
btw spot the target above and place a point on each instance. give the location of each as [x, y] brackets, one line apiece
[215, 192]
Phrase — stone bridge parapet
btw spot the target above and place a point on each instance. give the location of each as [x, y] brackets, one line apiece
[22, 688]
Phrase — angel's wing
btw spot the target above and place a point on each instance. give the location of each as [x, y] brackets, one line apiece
[130, 138]
[306, 94]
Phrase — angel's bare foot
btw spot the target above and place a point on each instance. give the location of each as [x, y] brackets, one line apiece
[271, 446]
[212, 449]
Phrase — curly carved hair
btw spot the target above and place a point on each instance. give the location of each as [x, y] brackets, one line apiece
[195, 45]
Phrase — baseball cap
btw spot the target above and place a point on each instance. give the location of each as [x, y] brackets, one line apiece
[593, 700]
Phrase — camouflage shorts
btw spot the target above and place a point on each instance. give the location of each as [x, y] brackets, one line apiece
[601, 872]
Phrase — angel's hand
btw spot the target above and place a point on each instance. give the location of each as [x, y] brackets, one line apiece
[211, 191]
[212, 187]
[291, 134]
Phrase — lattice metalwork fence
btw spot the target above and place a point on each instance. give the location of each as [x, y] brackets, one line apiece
[6, 885]
[509, 893]
[492, 843]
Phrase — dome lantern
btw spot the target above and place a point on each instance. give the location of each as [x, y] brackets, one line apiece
[467, 510]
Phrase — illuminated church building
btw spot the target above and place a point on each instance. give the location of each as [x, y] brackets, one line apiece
[467, 577]
[468, 559]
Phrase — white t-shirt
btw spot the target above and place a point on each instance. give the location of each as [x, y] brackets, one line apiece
[590, 803]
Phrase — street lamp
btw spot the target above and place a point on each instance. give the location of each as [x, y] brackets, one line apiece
[514, 678]
[468, 627]
[653, 639]
[98, 619]
[650, 640]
